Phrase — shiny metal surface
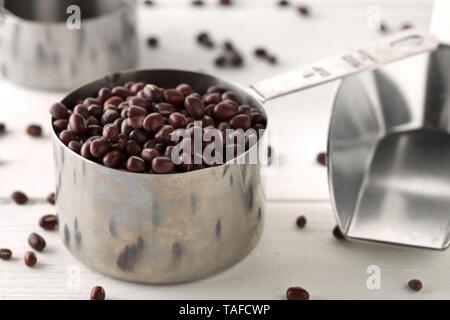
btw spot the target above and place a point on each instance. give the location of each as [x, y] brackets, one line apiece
[389, 154]
[366, 57]
[440, 23]
[38, 50]
[157, 228]
[182, 227]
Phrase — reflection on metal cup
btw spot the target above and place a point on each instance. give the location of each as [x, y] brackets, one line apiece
[158, 228]
[42, 47]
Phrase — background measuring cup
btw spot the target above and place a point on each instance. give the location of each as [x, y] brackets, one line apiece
[39, 50]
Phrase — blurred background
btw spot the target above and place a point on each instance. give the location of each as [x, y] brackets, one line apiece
[293, 33]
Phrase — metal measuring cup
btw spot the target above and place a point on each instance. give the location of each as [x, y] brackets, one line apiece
[180, 227]
[39, 50]
[389, 149]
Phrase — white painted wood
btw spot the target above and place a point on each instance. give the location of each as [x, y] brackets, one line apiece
[286, 256]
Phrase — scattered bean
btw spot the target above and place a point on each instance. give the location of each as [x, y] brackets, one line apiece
[34, 130]
[204, 40]
[36, 242]
[228, 46]
[19, 197]
[220, 61]
[225, 2]
[152, 42]
[98, 293]
[260, 52]
[272, 60]
[51, 198]
[237, 60]
[406, 26]
[338, 233]
[283, 3]
[301, 222]
[303, 10]
[265, 55]
[30, 258]
[5, 254]
[322, 158]
[48, 222]
[297, 293]
[415, 285]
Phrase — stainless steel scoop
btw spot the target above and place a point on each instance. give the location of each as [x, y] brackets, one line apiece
[389, 154]
[181, 227]
[389, 148]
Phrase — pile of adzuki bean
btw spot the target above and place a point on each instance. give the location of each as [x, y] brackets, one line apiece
[129, 127]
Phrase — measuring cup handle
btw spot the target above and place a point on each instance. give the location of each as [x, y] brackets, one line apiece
[401, 45]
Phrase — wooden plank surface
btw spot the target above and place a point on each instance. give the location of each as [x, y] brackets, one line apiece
[286, 256]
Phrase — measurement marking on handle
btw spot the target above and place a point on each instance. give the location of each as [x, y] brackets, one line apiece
[309, 75]
[352, 61]
[366, 56]
[324, 73]
[359, 60]
[316, 71]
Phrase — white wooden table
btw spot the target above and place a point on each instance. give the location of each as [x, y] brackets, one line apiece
[286, 256]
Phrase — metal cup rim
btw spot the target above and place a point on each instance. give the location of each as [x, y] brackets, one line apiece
[171, 175]
[125, 6]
